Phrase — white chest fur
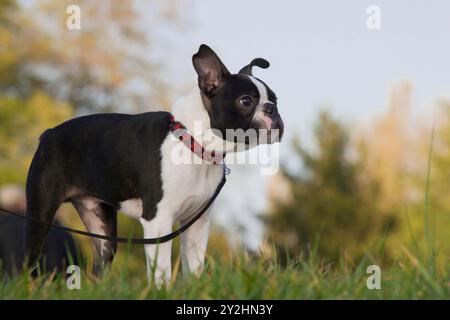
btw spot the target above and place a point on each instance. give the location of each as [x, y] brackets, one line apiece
[186, 187]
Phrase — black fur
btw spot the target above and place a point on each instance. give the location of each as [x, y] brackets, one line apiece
[112, 157]
[227, 113]
[221, 93]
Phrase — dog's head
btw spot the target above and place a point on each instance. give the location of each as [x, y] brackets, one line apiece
[237, 101]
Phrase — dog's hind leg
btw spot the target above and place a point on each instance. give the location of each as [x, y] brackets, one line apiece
[99, 218]
[45, 193]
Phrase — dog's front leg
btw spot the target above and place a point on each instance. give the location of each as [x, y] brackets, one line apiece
[193, 245]
[158, 255]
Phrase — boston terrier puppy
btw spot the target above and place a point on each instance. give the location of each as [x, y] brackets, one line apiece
[105, 163]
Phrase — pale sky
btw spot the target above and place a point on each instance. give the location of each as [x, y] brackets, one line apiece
[322, 55]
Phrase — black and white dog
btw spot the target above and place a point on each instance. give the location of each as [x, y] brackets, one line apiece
[103, 163]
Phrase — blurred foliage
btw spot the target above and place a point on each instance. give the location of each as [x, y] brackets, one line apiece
[49, 74]
[5, 6]
[104, 66]
[23, 117]
[330, 207]
[21, 123]
[384, 188]
[411, 163]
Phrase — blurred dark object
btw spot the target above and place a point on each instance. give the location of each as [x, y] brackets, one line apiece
[59, 249]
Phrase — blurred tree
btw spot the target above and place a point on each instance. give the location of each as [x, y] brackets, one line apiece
[109, 64]
[5, 5]
[21, 123]
[330, 208]
[394, 152]
[47, 70]
[23, 117]
[49, 73]
[9, 55]
[386, 150]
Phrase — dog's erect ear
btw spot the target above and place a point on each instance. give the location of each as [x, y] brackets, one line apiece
[211, 71]
[259, 62]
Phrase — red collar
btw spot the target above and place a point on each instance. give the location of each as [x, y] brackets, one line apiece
[181, 133]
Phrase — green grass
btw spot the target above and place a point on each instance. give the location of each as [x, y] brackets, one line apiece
[411, 275]
[247, 278]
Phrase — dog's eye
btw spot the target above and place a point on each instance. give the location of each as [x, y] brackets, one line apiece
[246, 101]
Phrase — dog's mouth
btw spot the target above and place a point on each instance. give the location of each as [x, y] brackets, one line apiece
[265, 130]
[270, 130]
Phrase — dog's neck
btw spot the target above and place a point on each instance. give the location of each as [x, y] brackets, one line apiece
[190, 111]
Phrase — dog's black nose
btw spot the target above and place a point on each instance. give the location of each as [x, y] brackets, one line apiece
[269, 108]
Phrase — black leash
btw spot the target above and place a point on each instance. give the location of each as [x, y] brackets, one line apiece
[158, 240]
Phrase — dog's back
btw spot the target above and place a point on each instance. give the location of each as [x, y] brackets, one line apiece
[95, 162]
[84, 150]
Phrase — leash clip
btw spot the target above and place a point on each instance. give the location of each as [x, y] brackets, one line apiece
[226, 170]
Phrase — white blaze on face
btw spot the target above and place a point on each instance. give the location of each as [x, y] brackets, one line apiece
[263, 99]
